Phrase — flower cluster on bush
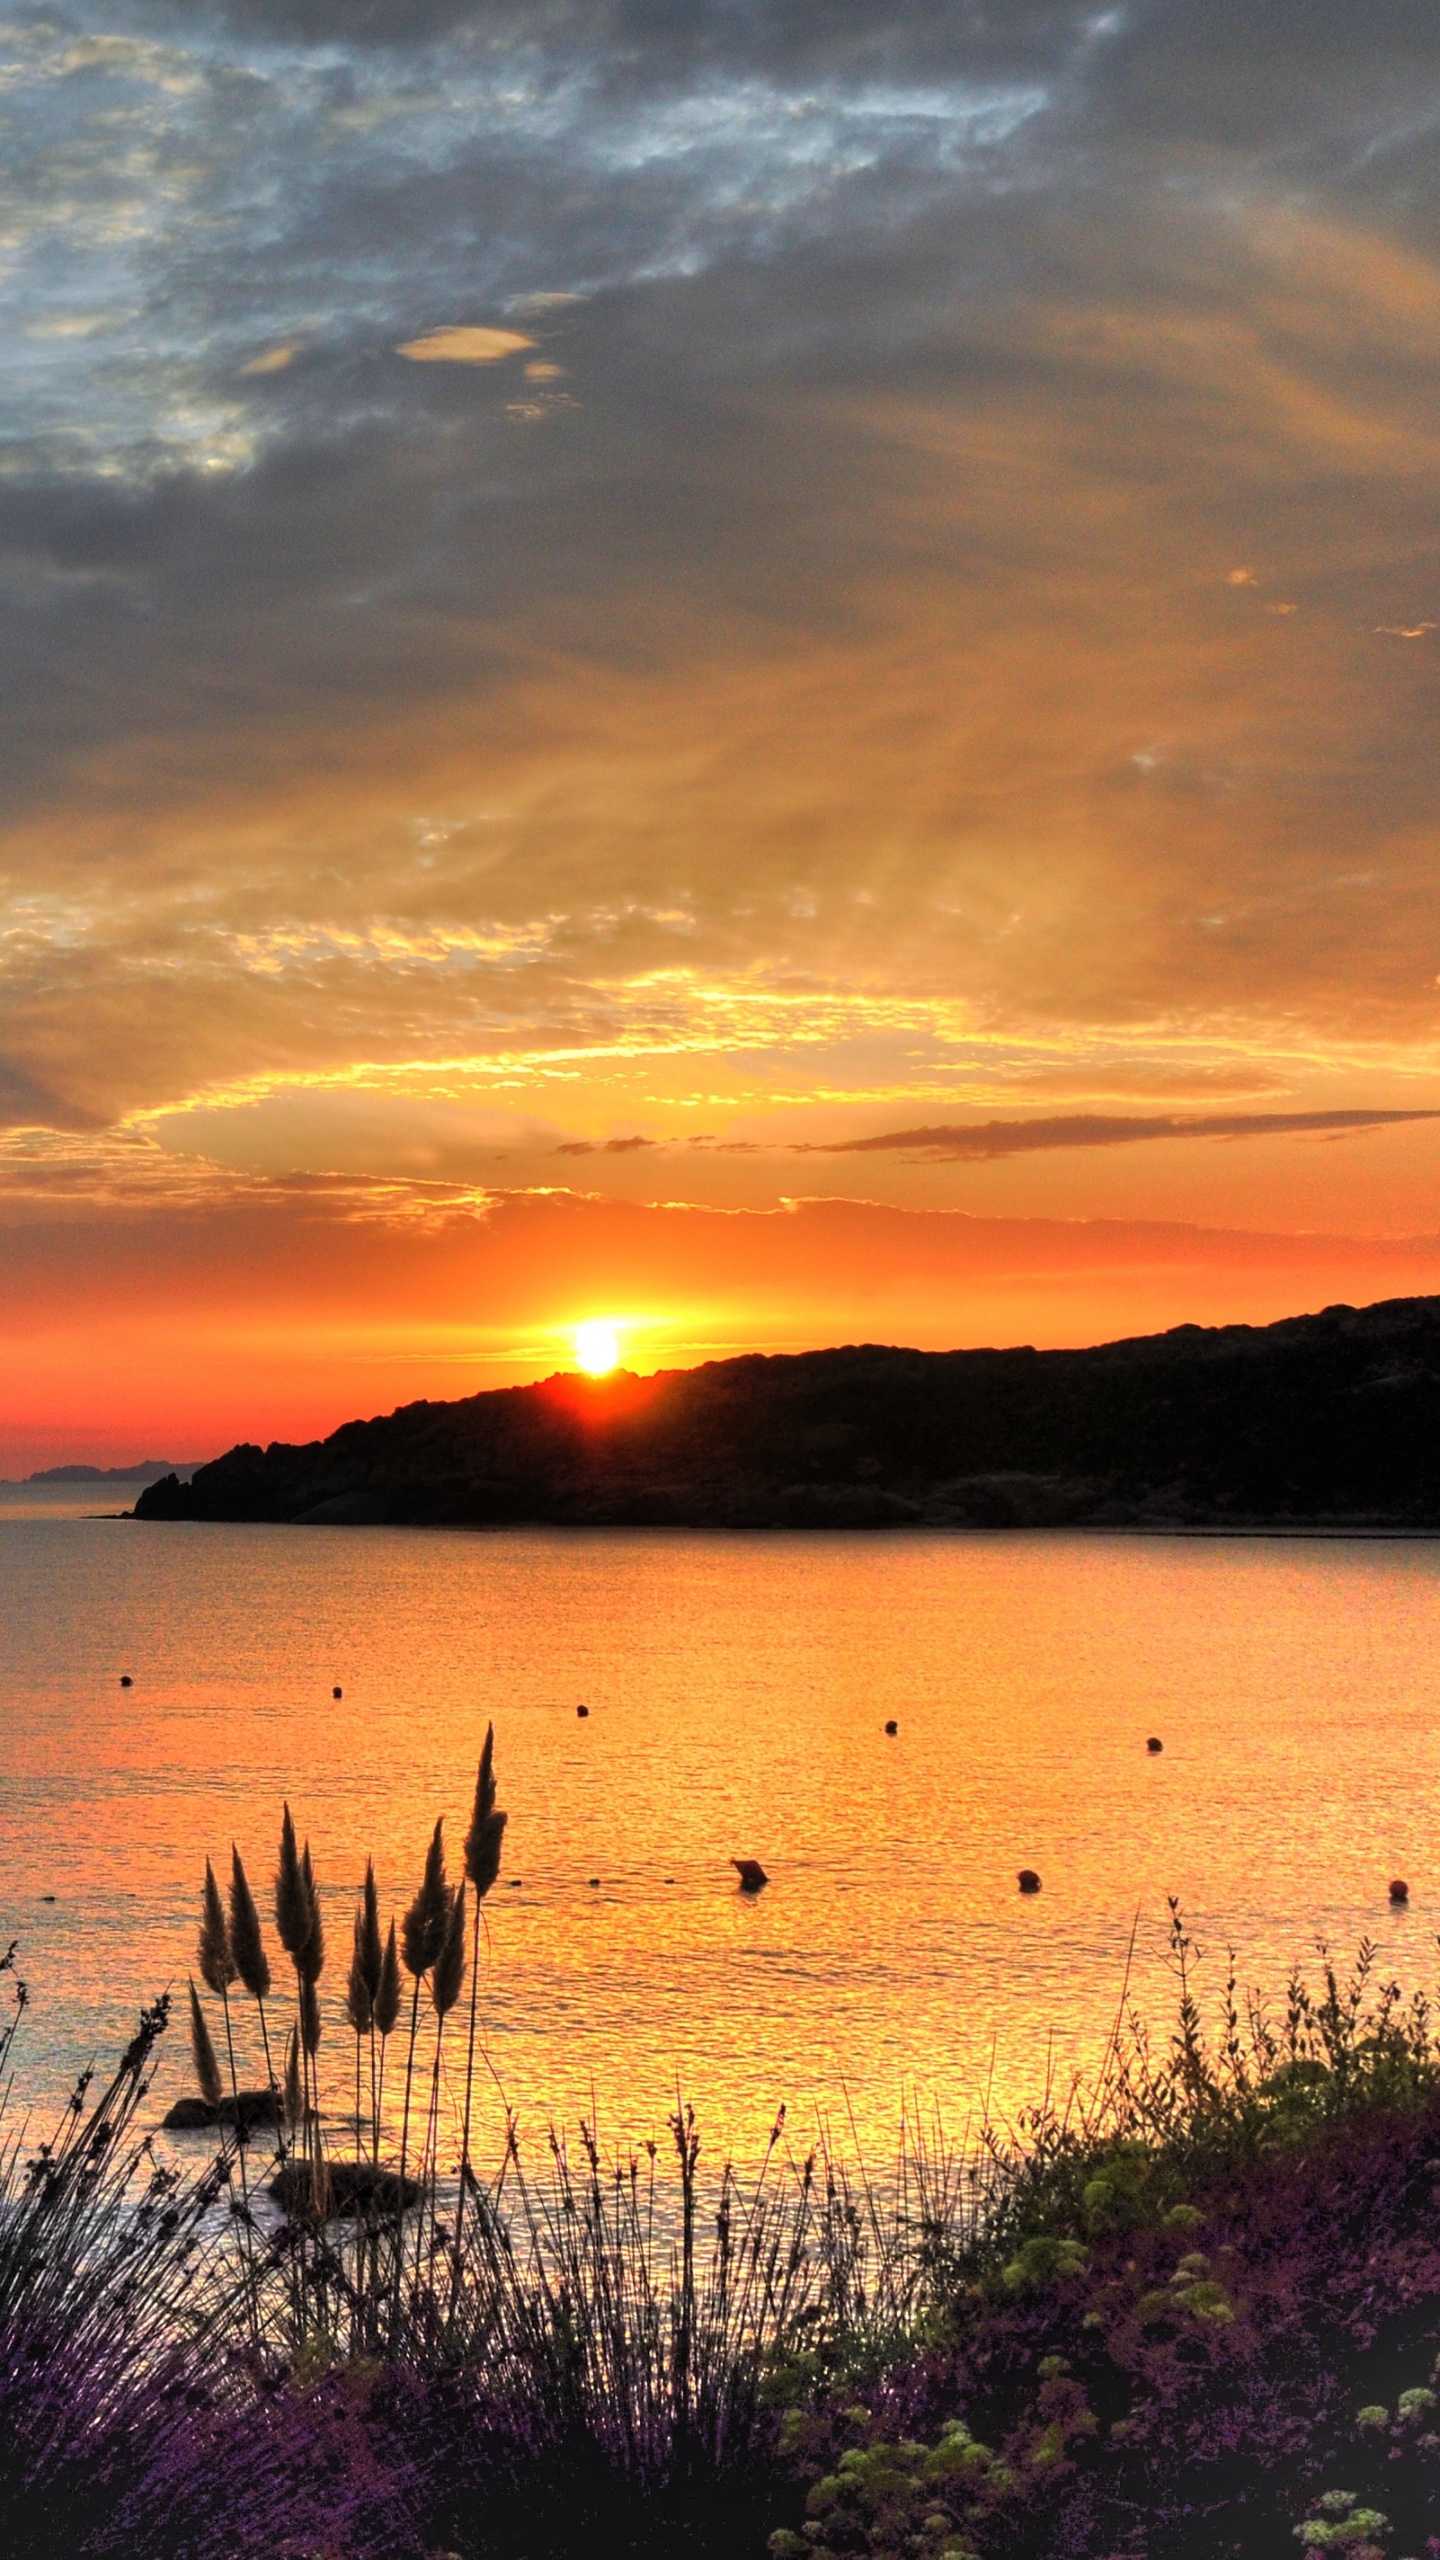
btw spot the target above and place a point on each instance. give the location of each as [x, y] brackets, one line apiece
[1183, 2311]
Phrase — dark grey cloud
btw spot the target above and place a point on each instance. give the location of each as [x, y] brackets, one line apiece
[603, 1147]
[982, 1141]
[656, 40]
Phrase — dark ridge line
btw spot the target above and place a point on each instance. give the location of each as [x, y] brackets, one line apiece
[1326, 1422]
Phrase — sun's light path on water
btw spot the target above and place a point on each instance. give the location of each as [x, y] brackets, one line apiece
[597, 1348]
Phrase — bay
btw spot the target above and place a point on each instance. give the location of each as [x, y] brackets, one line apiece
[738, 1689]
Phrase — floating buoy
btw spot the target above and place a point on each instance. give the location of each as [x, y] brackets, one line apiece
[125, 1680]
[1028, 1880]
[751, 1874]
[1154, 1743]
[47, 1897]
[669, 1879]
[594, 1879]
[892, 1726]
[1399, 1889]
[582, 1711]
[337, 1693]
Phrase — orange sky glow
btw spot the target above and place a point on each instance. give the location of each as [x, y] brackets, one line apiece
[827, 737]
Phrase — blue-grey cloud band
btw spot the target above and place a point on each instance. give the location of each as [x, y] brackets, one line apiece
[981, 1141]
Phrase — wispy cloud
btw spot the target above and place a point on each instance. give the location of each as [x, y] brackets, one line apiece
[979, 1142]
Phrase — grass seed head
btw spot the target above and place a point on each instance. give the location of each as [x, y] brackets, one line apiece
[246, 1943]
[311, 1960]
[428, 1917]
[372, 1950]
[449, 1973]
[292, 1917]
[387, 1998]
[309, 2015]
[359, 2000]
[207, 2068]
[487, 1826]
[217, 1964]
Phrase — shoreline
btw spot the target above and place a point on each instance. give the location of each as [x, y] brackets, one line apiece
[1327, 1531]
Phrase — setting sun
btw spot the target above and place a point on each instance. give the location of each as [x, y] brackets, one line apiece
[597, 1348]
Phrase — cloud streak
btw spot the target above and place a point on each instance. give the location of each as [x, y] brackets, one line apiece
[984, 1141]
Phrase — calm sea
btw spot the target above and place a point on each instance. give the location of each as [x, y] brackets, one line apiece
[738, 1689]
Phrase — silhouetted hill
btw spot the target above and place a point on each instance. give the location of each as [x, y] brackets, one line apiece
[1331, 1420]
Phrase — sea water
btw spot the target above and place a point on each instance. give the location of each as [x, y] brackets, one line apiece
[738, 1689]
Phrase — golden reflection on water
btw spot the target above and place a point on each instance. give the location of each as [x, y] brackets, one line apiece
[738, 1689]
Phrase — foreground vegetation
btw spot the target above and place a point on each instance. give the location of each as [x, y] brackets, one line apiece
[1193, 2310]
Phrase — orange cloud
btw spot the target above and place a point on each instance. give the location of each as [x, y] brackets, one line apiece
[464, 346]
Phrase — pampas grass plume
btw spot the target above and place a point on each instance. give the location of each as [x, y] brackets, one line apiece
[372, 1952]
[207, 2068]
[428, 1917]
[291, 1913]
[387, 1998]
[311, 1960]
[309, 2015]
[449, 1973]
[359, 1999]
[246, 1943]
[217, 1965]
[487, 1827]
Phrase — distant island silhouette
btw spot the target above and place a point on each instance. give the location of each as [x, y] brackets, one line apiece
[148, 1468]
[1322, 1421]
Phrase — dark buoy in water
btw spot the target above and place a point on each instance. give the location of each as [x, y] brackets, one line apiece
[1154, 1743]
[594, 1879]
[1028, 1880]
[892, 1726]
[751, 1874]
[125, 1680]
[1399, 1889]
[337, 1693]
[515, 1882]
[47, 1897]
[582, 1711]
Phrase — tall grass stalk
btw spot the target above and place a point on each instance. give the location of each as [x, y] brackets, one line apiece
[113, 2301]
[483, 1843]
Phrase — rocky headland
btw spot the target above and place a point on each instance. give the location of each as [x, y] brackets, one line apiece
[1327, 1421]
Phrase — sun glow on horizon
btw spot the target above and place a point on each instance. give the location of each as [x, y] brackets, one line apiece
[597, 1348]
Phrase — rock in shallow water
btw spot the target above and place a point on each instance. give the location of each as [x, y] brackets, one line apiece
[347, 2187]
[252, 2107]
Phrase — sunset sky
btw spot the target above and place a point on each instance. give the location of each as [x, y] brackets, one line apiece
[761, 668]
